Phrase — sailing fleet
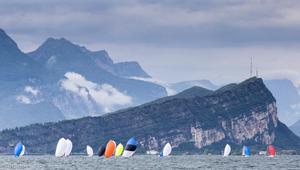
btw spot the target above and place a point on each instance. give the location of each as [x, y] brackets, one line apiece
[246, 152]
[64, 148]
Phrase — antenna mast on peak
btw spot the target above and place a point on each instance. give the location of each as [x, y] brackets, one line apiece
[251, 66]
[256, 72]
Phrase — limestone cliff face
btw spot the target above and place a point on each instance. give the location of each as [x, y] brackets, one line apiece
[240, 129]
[238, 114]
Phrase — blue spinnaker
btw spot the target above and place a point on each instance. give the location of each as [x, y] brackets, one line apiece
[247, 151]
[18, 149]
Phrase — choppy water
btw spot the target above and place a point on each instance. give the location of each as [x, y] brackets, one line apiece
[150, 162]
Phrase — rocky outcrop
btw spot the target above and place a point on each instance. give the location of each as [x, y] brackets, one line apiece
[239, 114]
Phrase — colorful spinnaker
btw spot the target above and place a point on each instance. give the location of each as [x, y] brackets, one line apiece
[18, 149]
[110, 149]
[166, 150]
[69, 147]
[61, 147]
[130, 148]
[247, 151]
[23, 151]
[271, 151]
[89, 151]
[227, 150]
[101, 150]
[119, 150]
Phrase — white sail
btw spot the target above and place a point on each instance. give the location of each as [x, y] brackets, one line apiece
[167, 149]
[69, 147]
[243, 151]
[61, 147]
[227, 150]
[23, 151]
[89, 151]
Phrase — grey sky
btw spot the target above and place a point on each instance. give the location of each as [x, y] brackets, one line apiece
[172, 39]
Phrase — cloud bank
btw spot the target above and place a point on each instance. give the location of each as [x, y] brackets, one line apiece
[104, 95]
[173, 40]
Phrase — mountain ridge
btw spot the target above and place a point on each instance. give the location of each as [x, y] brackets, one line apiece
[242, 115]
[62, 80]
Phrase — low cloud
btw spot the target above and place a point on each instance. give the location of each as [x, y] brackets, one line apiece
[32, 90]
[104, 95]
[30, 95]
[24, 99]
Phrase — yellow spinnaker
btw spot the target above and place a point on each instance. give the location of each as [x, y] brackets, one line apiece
[119, 150]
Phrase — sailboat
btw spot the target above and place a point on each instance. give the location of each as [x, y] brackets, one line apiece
[18, 149]
[166, 150]
[23, 151]
[119, 150]
[110, 149]
[69, 147]
[60, 147]
[227, 150]
[130, 148]
[271, 151]
[247, 151]
[89, 151]
[243, 151]
[101, 150]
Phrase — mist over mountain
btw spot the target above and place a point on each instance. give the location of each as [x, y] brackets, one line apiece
[61, 80]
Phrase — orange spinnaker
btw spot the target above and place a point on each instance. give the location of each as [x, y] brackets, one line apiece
[110, 149]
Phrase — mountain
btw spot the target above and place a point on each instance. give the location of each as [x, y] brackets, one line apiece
[130, 69]
[288, 99]
[243, 114]
[296, 128]
[21, 82]
[285, 92]
[61, 80]
[181, 86]
[92, 78]
[63, 56]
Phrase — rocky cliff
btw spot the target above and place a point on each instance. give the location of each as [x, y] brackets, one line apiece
[245, 113]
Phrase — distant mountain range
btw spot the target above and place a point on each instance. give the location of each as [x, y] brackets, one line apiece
[287, 98]
[194, 121]
[61, 80]
[183, 85]
[296, 128]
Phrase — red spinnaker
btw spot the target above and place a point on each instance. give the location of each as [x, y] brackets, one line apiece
[271, 150]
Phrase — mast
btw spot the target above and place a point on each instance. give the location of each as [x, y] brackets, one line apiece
[251, 66]
[256, 72]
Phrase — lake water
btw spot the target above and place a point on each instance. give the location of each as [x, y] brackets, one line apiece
[150, 162]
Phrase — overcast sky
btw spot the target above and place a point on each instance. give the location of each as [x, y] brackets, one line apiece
[173, 40]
